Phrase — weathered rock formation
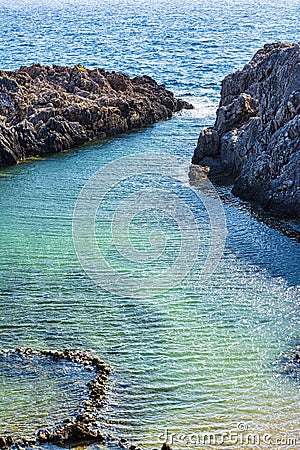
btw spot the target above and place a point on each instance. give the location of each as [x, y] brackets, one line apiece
[49, 109]
[256, 135]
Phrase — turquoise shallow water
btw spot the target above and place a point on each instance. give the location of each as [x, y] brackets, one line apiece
[195, 358]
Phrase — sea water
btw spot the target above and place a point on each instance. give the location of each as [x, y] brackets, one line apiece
[195, 364]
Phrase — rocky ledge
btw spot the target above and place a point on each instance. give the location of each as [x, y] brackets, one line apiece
[49, 109]
[256, 135]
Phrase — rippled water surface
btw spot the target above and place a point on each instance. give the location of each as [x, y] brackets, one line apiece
[194, 359]
[34, 382]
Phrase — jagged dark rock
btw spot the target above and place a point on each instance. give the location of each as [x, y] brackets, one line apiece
[256, 135]
[72, 430]
[49, 109]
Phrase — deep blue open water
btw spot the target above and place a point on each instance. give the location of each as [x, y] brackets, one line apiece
[198, 357]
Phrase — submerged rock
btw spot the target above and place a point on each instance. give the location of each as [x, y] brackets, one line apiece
[256, 135]
[289, 363]
[84, 426]
[72, 430]
[49, 109]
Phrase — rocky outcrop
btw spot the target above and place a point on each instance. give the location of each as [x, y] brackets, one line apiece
[49, 109]
[256, 135]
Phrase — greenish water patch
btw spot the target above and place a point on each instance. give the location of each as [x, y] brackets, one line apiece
[197, 357]
[194, 358]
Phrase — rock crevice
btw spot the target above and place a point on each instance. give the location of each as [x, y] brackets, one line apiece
[256, 135]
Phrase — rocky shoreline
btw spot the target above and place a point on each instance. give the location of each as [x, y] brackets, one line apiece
[256, 135]
[45, 110]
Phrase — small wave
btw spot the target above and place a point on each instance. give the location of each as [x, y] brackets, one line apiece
[202, 108]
